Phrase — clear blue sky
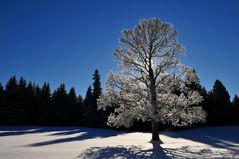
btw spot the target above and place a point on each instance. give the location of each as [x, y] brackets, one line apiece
[64, 41]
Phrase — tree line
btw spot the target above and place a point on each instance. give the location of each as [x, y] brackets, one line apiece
[26, 103]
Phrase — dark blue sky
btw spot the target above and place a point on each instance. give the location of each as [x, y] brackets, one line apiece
[64, 41]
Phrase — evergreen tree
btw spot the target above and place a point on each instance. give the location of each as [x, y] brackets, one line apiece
[97, 91]
[235, 102]
[72, 96]
[88, 109]
[192, 82]
[195, 83]
[1, 92]
[80, 103]
[219, 111]
[53, 111]
[44, 104]
[196, 86]
[235, 112]
[60, 106]
[11, 86]
[35, 108]
[10, 109]
[22, 102]
[22, 86]
[1, 101]
[31, 105]
[74, 108]
[80, 99]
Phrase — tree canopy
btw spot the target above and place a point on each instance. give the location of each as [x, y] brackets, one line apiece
[150, 70]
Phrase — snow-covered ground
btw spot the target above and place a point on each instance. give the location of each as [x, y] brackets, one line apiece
[76, 143]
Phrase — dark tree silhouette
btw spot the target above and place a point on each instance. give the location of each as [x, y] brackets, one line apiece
[30, 104]
[219, 107]
[97, 91]
[59, 105]
[10, 110]
[235, 110]
[22, 102]
[235, 102]
[44, 104]
[89, 113]
[1, 101]
[80, 102]
[74, 107]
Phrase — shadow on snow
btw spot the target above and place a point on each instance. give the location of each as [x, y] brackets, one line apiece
[224, 142]
[134, 152]
[222, 137]
[80, 133]
[157, 152]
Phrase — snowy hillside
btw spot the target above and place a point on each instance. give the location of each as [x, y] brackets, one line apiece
[76, 143]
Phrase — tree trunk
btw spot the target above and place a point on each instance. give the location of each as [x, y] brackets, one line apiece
[155, 118]
[155, 131]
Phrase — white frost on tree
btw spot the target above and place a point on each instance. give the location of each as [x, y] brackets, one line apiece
[150, 73]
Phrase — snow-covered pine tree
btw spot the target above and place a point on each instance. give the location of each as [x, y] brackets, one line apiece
[150, 72]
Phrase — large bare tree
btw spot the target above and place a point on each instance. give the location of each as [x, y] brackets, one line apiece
[151, 84]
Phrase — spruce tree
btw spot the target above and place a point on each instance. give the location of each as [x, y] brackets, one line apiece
[196, 86]
[35, 108]
[72, 96]
[29, 103]
[88, 109]
[80, 103]
[235, 112]
[1, 101]
[60, 107]
[22, 102]
[10, 109]
[80, 99]
[74, 109]
[235, 102]
[46, 92]
[220, 105]
[97, 91]
[44, 105]
[11, 86]
[22, 86]
[1, 91]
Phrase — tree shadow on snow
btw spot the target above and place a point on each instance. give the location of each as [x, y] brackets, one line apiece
[221, 138]
[188, 152]
[222, 142]
[77, 133]
[80, 134]
[134, 152]
[157, 152]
